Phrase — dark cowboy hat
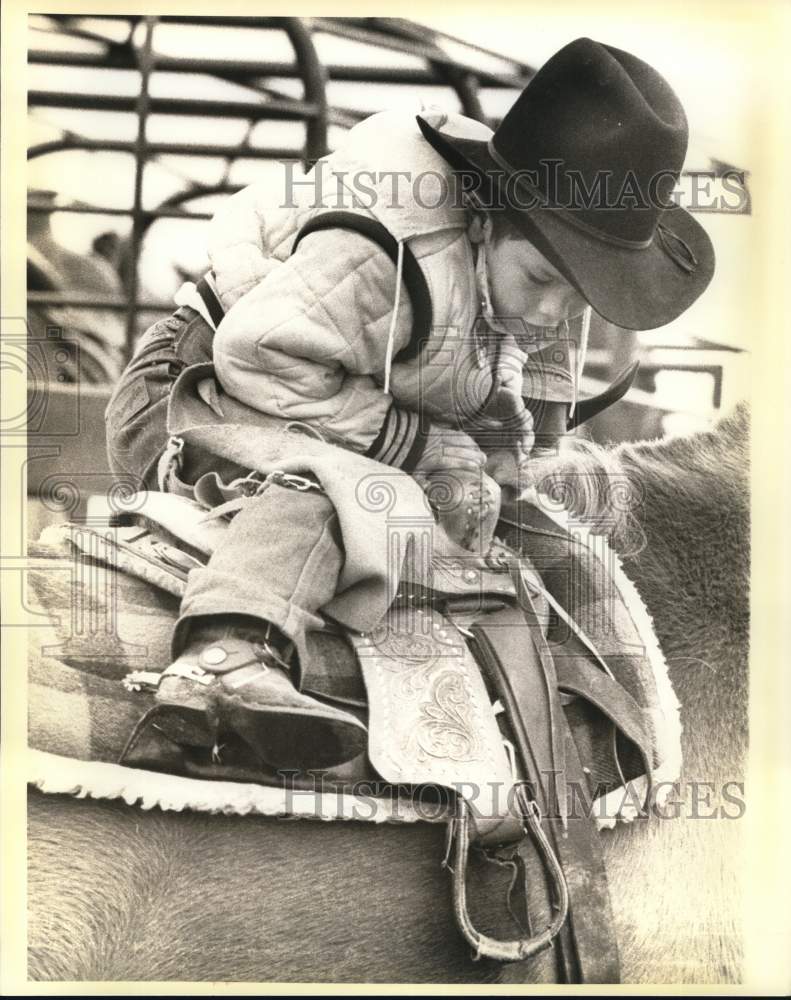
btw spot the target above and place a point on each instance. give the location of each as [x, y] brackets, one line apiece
[585, 163]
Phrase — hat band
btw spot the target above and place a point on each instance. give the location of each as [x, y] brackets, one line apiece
[570, 219]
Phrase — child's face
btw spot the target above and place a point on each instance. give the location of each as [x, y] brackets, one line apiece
[523, 283]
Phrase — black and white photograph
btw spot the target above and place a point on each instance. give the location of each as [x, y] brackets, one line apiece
[383, 551]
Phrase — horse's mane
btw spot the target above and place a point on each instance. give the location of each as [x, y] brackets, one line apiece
[607, 488]
[693, 490]
[694, 463]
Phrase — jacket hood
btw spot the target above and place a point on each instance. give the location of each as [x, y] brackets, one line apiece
[392, 173]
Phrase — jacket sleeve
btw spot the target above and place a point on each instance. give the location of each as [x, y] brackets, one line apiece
[306, 342]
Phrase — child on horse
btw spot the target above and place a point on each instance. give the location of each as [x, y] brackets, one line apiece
[415, 311]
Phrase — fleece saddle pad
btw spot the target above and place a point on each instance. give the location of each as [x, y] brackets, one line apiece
[97, 626]
[107, 624]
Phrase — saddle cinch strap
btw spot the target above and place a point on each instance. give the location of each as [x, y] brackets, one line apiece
[509, 648]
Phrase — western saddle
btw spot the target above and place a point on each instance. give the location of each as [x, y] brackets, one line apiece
[479, 687]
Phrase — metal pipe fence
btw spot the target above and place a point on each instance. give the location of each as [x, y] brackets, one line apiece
[409, 55]
[312, 111]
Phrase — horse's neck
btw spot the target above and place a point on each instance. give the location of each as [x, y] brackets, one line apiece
[693, 571]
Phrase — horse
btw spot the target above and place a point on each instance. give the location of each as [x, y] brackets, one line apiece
[116, 893]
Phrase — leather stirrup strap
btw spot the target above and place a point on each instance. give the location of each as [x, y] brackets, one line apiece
[589, 950]
[585, 949]
[515, 656]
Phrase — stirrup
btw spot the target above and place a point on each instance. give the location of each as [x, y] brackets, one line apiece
[518, 949]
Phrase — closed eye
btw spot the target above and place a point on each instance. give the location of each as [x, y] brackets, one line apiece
[536, 280]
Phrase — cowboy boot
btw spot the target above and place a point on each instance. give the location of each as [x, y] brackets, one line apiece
[239, 678]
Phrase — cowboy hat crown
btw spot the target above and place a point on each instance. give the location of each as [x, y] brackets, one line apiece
[585, 163]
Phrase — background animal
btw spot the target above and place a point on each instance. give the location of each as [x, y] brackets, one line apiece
[117, 893]
[89, 346]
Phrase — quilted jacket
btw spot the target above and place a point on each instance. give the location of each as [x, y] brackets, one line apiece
[315, 337]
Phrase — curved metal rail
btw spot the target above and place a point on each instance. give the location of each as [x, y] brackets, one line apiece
[105, 44]
[266, 103]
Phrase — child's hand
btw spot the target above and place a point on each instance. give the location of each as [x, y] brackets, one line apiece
[507, 468]
[465, 501]
[448, 450]
[507, 461]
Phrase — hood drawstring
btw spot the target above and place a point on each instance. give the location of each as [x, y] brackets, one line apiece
[482, 277]
[394, 317]
[582, 350]
[480, 234]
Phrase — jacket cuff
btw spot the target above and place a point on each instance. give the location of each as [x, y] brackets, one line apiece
[400, 441]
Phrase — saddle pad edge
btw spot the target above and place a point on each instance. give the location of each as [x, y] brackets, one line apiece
[54, 774]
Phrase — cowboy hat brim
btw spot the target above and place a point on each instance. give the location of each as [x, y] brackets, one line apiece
[638, 289]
